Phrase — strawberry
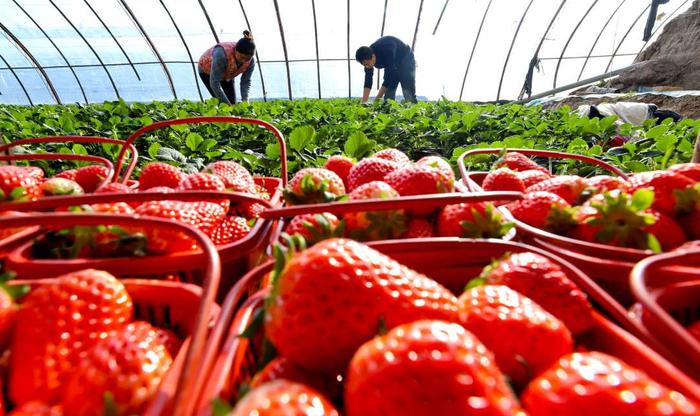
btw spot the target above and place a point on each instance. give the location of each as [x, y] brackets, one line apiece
[282, 397]
[420, 180]
[438, 163]
[114, 188]
[691, 224]
[503, 179]
[690, 170]
[517, 161]
[128, 364]
[544, 282]
[472, 220]
[314, 185]
[67, 174]
[7, 232]
[18, 184]
[314, 227]
[60, 322]
[160, 189]
[235, 177]
[303, 319]
[395, 155]
[36, 408]
[605, 183]
[533, 176]
[525, 338]
[231, 229]
[205, 182]
[593, 383]
[35, 172]
[250, 209]
[91, 177]
[60, 186]
[374, 225]
[419, 228]
[544, 210]
[282, 368]
[426, 368]
[370, 169]
[666, 230]
[8, 309]
[569, 187]
[262, 192]
[665, 185]
[341, 165]
[160, 174]
[694, 330]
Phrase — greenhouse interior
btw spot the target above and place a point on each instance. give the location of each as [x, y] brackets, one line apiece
[350, 207]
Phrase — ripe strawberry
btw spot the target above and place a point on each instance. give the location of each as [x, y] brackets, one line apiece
[314, 185]
[231, 229]
[18, 184]
[250, 209]
[694, 330]
[605, 183]
[161, 189]
[569, 187]
[525, 338]
[419, 228]
[420, 180]
[8, 309]
[370, 169]
[235, 177]
[36, 408]
[545, 283]
[544, 210]
[303, 319]
[341, 165]
[160, 174]
[67, 174]
[205, 182]
[91, 177]
[282, 397]
[114, 188]
[395, 155]
[438, 163]
[472, 220]
[7, 232]
[60, 186]
[113, 208]
[503, 179]
[690, 170]
[35, 172]
[666, 230]
[282, 368]
[593, 383]
[262, 192]
[517, 161]
[426, 368]
[374, 225]
[664, 184]
[129, 364]
[59, 324]
[203, 215]
[314, 227]
[533, 176]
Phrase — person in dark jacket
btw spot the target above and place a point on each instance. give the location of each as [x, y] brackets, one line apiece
[398, 62]
[221, 63]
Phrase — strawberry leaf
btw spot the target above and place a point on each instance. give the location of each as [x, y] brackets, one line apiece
[110, 407]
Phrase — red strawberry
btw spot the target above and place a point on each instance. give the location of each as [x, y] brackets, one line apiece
[67, 174]
[282, 368]
[35, 172]
[533, 176]
[160, 189]
[341, 165]
[129, 364]
[313, 227]
[8, 311]
[690, 170]
[113, 208]
[91, 177]
[314, 185]
[525, 338]
[235, 177]
[6, 232]
[420, 180]
[545, 283]
[59, 324]
[569, 187]
[282, 397]
[419, 228]
[60, 186]
[374, 225]
[395, 155]
[438, 163]
[36, 408]
[250, 209]
[205, 182]
[543, 210]
[593, 383]
[114, 188]
[605, 183]
[160, 174]
[666, 230]
[262, 192]
[304, 321]
[664, 184]
[370, 169]
[427, 368]
[18, 184]
[517, 161]
[694, 330]
[472, 220]
[503, 179]
[231, 229]
[169, 339]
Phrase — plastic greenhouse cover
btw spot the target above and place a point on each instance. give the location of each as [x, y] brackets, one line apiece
[476, 50]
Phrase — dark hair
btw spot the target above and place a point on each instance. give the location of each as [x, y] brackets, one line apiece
[245, 45]
[363, 53]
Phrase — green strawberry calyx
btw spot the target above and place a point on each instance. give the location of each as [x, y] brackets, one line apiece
[491, 224]
[310, 192]
[323, 229]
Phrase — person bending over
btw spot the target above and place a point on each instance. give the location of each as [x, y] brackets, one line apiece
[398, 62]
[221, 63]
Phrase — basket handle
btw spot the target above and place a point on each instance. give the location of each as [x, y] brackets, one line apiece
[213, 119]
[80, 139]
[62, 156]
[212, 273]
[540, 153]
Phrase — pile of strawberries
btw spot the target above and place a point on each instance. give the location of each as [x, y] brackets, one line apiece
[656, 210]
[387, 174]
[391, 341]
[75, 349]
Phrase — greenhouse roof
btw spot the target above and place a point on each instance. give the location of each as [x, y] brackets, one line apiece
[67, 51]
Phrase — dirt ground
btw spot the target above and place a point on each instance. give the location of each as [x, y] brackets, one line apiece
[687, 106]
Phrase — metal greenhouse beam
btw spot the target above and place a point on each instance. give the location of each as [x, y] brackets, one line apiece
[151, 45]
[349, 74]
[571, 36]
[284, 48]
[619, 45]
[595, 42]
[471, 55]
[318, 62]
[211, 25]
[187, 48]
[444, 6]
[415, 32]
[510, 49]
[80, 34]
[381, 34]
[21, 84]
[663, 24]
[31, 57]
[60, 52]
[257, 58]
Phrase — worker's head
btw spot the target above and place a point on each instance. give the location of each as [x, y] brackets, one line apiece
[365, 56]
[245, 47]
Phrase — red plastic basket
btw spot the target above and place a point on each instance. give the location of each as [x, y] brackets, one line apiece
[668, 302]
[230, 360]
[187, 307]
